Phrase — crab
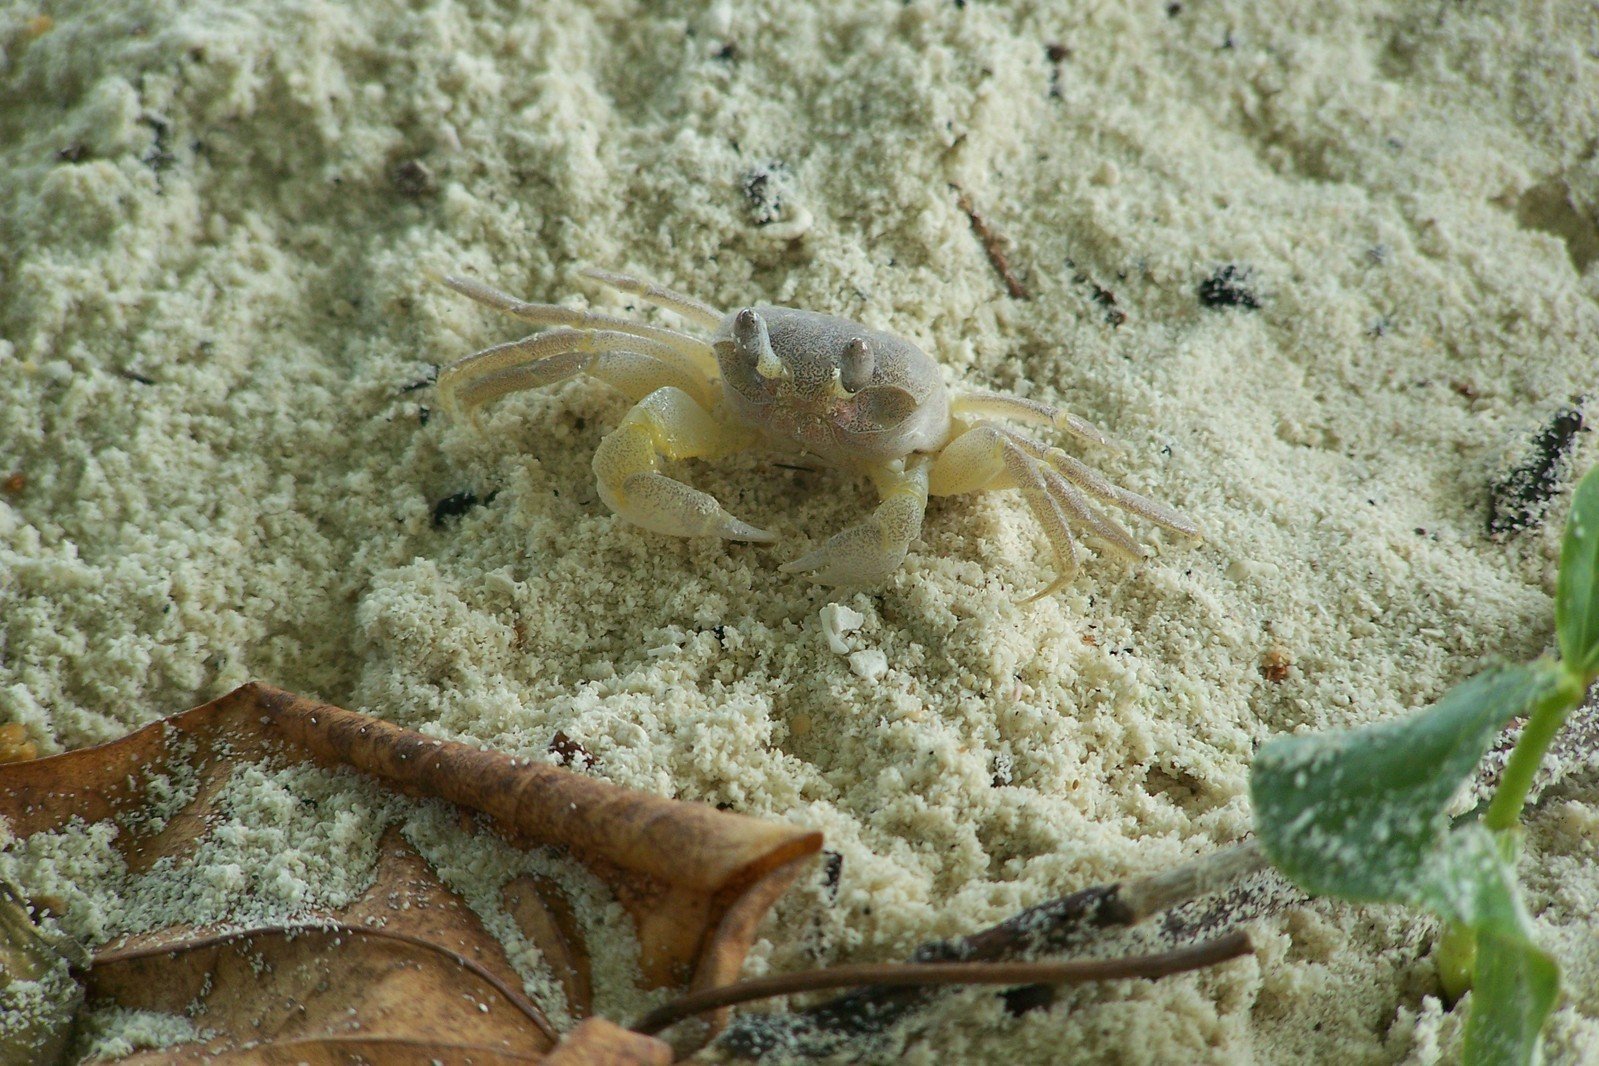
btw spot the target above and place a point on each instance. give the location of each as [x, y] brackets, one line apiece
[855, 398]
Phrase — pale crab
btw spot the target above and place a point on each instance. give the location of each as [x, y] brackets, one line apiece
[856, 398]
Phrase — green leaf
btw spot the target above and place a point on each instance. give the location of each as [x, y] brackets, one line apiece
[1514, 984]
[1514, 988]
[1362, 814]
[1577, 588]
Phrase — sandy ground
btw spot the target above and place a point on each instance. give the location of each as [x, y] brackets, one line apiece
[215, 224]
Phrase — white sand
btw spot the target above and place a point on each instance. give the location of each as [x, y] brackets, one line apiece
[225, 202]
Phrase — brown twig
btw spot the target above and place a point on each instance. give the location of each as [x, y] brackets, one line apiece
[993, 245]
[1093, 915]
[897, 975]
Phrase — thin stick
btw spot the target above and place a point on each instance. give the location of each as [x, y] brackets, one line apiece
[1149, 967]
[994, 245]
[1067, 924]
[1149, 896]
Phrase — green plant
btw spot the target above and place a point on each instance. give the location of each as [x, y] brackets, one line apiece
[1364, 814]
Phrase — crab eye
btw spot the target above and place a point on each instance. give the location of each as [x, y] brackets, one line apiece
[754, 344]
[747, 328]
[855, 366]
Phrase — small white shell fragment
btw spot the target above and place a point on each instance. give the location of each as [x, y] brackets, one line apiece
[500, 581]
[795, 224]
[673, 637]
[838, 620]
[870, 664]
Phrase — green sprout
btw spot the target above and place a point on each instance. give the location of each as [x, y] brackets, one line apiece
[1363, 814]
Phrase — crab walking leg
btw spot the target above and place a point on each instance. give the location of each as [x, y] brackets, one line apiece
[869, 551]
[632, 364]
[669, 422]
[982, 458]
[1004, 405]
[555, 315]
[631, 373]
[680, 303]
[1075, 504]
[1097, 484]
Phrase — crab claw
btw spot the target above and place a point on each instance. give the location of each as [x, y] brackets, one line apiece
[671, 423]
[664, 505]
[860, 555]
[868, 552]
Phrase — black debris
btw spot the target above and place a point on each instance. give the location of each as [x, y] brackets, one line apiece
[1107, 299]
[422, 382]
[832, 869]
[1057, 54]
[412, 178]
[457, 505]
[1028, 998]
[159, 157]
[1226, 288]
[764, 185]
[1518, 500]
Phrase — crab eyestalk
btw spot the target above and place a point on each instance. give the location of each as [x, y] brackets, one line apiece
[856, 366]
[751, 338]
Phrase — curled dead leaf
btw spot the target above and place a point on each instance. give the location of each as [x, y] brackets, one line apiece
[321, 986]
[408, 968]
[38, 997]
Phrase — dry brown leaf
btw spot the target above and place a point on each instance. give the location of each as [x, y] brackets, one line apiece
[14, 743]
[598, 1041]
[407, 966]
[545, 917]
[320, 986]
[37, 995]
[406, 971]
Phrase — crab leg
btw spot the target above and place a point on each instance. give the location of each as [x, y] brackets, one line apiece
[1097, 484]
[555, 315]
[869, 551]
[671, 299]
[1048, 509]
[1004, 405]
[1075, 504]
[993, 456]
[632, 364]
[670, 423]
